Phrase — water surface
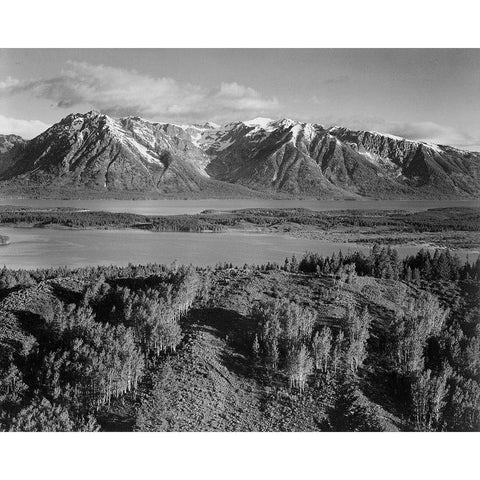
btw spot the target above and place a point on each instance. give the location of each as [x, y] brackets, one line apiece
[179, 207]
[42, 248]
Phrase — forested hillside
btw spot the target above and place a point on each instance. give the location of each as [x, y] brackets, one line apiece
[343, 343]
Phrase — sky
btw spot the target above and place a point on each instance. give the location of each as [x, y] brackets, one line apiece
[421, 94]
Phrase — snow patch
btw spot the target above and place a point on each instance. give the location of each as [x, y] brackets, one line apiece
[296, 130]
[258, 122]
[129, 141]
[286, 123]
[309, 131]
[145, 135]
[433, 146]
[382, 162]
[144, 152]
[201, 165]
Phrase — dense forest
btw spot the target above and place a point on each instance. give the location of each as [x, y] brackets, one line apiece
[432, 220]
[342, 343]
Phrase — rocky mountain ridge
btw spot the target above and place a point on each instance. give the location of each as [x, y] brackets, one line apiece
[93, 151]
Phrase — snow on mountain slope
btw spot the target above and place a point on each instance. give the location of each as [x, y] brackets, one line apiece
[95, 150]
[432, 170]
[297, 157]
[278, 156]
[258, 122]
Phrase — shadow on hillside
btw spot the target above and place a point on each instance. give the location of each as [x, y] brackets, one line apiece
[380, 388]
[234, 329]
[34, 324]
[5, 292]
[66, 295]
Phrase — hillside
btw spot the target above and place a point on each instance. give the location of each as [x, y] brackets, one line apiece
[11, 148]
[210, 384]
[95, 155]
[307, 346]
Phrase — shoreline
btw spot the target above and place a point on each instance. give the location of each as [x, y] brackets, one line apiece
[320, 235]
[455, 227]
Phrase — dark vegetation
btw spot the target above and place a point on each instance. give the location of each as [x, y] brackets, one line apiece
[55, 190]
[441, 219]
[433, 220]
[343, 343]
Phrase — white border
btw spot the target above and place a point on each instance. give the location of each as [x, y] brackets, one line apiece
[239, 24]
[239, 456]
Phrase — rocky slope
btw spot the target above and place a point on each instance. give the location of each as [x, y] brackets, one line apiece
[303, 158]
[95, 152]
[428, 167]
[11, 147]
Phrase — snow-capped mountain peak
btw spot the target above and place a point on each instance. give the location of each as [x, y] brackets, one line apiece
[261, 122]
[93, 150]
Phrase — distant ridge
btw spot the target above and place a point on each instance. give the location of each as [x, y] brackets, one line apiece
[93, 152]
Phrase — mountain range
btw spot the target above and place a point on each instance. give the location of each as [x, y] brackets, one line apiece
[97, 154]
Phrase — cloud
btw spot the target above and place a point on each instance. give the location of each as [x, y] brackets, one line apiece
[425, 131]
[120, 92]
[25, 128]
[8, 82]
[433, 132]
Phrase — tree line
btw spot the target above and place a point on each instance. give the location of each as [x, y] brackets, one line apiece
[433, 220]
[385, 262]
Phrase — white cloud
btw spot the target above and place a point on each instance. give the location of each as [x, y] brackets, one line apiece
[119, 92]
[423, 131]
[432, 132]
[8, 82]
[25, 128]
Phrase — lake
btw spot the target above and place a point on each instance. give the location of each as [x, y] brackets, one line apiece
[42, 248]
[39, 248]
[180, 207]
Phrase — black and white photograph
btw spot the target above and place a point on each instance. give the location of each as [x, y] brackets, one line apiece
[238, 239]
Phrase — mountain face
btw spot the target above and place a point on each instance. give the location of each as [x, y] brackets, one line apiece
[95, 152]
[288, 156]
[424, 166]
[303, 158]
[11, 147]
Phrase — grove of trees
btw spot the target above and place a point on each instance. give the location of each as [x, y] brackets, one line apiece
[67, 358]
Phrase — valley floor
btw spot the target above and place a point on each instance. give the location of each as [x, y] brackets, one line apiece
[454, 228]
